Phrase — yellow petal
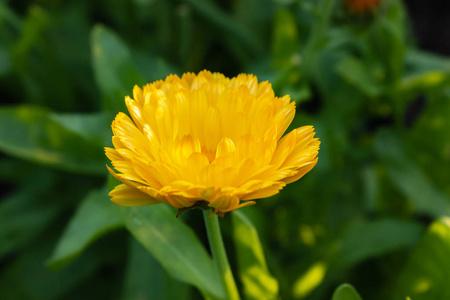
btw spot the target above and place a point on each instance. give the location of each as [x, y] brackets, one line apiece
[128, 196]
[225, 147]
[266, 190]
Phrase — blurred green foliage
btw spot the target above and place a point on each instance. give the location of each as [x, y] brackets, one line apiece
[381, 106]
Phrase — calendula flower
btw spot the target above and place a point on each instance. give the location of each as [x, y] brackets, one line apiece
[207, 139]
[361, 6]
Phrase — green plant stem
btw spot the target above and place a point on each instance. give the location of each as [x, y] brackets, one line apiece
[219, 254]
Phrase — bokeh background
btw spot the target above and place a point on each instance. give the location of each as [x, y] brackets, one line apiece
[372, 76]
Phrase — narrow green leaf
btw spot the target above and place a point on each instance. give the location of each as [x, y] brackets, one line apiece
[420, 61]
[422, 81]
[26, 277]
[425, 71]
[5, 60]
[370, 239]
[32, 133]
[429, 140]
[8, 17]
[387, 39]
[175, 246]
[409, 178]
[357, 74]
[318, 35]
[309, 280]
[257, 281]
[145, 279]
[27, 213]
[346, 292]
[427, 272]
[115, 72]
[41, 74]
[256, 15]
[96, 216]
[285, 39]
[213, 13]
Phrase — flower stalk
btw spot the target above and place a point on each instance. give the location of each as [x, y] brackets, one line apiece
[219, 254]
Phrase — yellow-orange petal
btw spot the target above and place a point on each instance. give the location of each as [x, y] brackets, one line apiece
[125, 195]
[267, 190]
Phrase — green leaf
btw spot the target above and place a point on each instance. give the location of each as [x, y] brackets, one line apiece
[356, 73]
[318, 36]
[32, 133]
[95, 216]
[152, 67]
[309, 280]
[425, 71]
[256, 15]
[213, 13]
[12, 170]
[387, 40]
[420, 61]
[285, 38]
[94, 126]
[27, 213]
[8, 17]
[5, 60]
[257, 281]
[175, 246]
[145, 279]
[34, 26]
[409, 178]
[346, 292]
[115, 71]
[9, 25]
[26, 277]
[370, 239]
[422, 81]
[42, 76]
[429, 138]
[427, 271]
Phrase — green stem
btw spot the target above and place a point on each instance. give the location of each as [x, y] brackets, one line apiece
[219, 254]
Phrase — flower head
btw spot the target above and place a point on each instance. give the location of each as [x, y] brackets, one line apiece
[362, 6]
[206, 138]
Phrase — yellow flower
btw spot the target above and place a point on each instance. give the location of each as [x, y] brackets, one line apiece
[207, 138]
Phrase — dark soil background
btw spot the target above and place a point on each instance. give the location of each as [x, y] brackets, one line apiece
[431, 24]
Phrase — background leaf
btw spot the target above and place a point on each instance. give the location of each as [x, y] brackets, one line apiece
[346, 292]
[209, 10]
[46, 283]
[409, 179]
[96, 216]
[428, 268]
[146, 279]
[95, 127]
[25, 214]
[369, 239]
[115, 71]
[31, 133]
